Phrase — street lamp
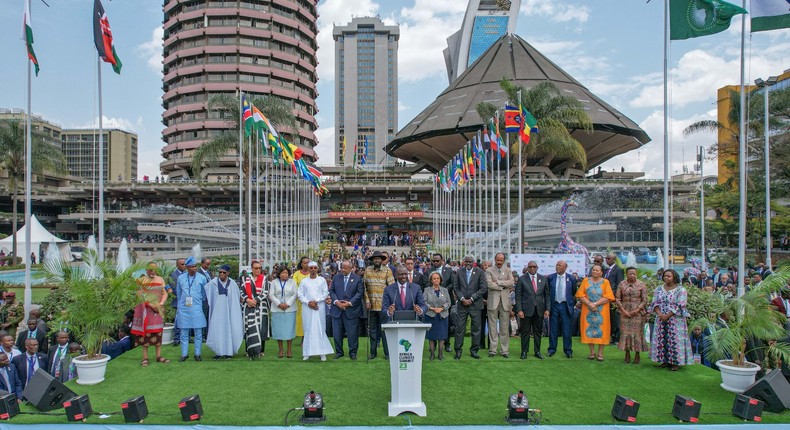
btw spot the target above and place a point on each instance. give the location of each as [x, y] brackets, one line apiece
[768, 242]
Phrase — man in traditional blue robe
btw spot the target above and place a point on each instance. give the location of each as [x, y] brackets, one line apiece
[225, 321]
[189, 314]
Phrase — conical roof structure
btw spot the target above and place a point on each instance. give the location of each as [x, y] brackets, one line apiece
[441, 129]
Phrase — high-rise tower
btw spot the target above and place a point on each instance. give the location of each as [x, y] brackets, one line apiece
[485, 21]
[220, 46]
[366, 90]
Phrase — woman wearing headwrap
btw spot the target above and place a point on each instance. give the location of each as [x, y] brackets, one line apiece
[255, 302]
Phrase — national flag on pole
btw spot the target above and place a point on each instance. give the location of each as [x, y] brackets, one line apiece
[500, 148]
[343, 150]
[27, 35]
[102, 37]
[529, 124]
[470, 161]
[695, 18]
[513, 119]
[481, 154]
[364, 158]
[355, 153]
[246, 116]
[769, 14]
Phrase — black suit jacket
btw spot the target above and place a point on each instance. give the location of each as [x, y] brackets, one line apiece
[14, 381]
[417, 278]
[615, 276]
[476, 289]
[352, 292]
[41, 337]
[51, 352]
[529, 301]
[20, 362]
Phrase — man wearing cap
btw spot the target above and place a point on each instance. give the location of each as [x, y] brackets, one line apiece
[225, 322]
[189, 314]
[313, 292]
[376, 278]
[11, 314]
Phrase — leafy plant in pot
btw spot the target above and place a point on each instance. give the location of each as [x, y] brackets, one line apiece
[100, 295]
[750, 326]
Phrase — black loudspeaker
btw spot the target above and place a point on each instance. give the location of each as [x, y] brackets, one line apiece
[8, 406]
[134, 410]
[748, 408]
[773, 389]
[191, 408]
[625, 409]
[45, 392]
[78, 408]
[686, 409]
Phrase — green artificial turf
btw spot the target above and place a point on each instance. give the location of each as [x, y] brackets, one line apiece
[38, 293]
[242, 392]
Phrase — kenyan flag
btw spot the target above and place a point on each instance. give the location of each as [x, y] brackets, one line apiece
[27, 35]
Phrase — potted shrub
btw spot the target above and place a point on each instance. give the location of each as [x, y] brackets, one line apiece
[100, 295]
[749, 320]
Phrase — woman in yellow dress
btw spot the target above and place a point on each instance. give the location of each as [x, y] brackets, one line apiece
[595, 293]
[300, 274]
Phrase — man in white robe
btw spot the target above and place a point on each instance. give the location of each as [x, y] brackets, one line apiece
[313, 293]
[225, 321]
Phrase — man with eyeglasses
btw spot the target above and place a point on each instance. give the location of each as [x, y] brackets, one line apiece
[225, 321]
[615, 276]
[448, 281]
[471, 289]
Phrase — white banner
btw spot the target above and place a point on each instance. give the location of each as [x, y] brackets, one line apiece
[546, 262]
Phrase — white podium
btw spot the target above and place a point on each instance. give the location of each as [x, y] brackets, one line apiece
[405, 342]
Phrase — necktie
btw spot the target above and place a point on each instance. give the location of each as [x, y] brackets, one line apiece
[403, 296]
[560, 288]
[534, 283]
[468, 276]
[410, 277]
[56, 362]
[31, 363]
[345, 282]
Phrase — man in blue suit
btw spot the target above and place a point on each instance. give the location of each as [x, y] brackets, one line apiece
[346, 294]
[30, 361]
[403, 295]
[9, 378]
[562, 290]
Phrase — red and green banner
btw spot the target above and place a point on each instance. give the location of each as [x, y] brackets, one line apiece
[27, 36]
[102, 37]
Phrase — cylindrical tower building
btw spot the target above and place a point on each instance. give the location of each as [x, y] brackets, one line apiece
[263, 47]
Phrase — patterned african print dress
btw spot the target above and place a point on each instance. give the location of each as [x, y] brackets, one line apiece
[595, 326]
[670, 343]
[632, 297]
[256, 319]
[147, 323]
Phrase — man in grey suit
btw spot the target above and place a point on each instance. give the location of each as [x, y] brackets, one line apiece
[532, 295]
[470, 290]
[346, 293]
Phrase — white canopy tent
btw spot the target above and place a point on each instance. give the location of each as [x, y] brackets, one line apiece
[38, 236]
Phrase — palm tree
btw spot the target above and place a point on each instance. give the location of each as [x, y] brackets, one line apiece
[556, 114]
[12, 145]
[208, 154]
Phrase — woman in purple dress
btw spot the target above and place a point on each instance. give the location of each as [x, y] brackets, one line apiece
[670, 343]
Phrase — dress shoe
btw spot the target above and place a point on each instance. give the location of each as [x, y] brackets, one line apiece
[338, 356]
[569, 355]
[183, 358]
[372, 356]
[176, 343]
[447, 348]
[475, 355]
[492, 354]
[539, 356]
[551, 354]
[386, 357]
[198, 358]
[217, 357]
[457, 355]
[523, 355]
[505, 356]
[353, 357]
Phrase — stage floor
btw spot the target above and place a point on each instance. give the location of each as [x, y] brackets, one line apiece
[464, 392]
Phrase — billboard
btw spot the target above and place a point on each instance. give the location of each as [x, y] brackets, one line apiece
[577, 263]
[485, 31]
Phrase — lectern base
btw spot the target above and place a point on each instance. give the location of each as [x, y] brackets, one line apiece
[396, 409]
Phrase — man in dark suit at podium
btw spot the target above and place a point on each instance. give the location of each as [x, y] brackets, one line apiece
[346, 293]
[532, 295]
[403, 295]
[470, 290]
[562, 293]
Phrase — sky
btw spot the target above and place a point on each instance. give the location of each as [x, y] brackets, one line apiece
[613, 47]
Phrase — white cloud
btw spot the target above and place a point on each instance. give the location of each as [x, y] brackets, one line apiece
[152, 50]
[336, 12]
[325, 147]
[119, 123]
[555, 10]
[402, 107]
[649, 159]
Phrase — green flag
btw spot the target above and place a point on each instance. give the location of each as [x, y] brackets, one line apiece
[695, 18]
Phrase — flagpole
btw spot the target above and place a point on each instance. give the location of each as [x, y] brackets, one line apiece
[101, 168]
[742, 166]
[28, 185]
[666, 134]
[520, 144]
[249, 198]
[257, 196]
[241, 183]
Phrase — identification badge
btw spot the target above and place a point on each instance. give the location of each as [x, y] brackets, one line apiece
[697, 359]
[189, 301]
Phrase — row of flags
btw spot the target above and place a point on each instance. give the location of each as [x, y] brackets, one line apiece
[256, 124]
[363, 159]
[471, 160]
[102, 37]
[695, 18]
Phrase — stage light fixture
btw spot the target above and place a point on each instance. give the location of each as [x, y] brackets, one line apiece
[748, 408]
[9, 407]
[686, 409]
[191, 408]
[313, 408]
[518, 408]
[78, 408]
[625, 409]
[134, 410]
